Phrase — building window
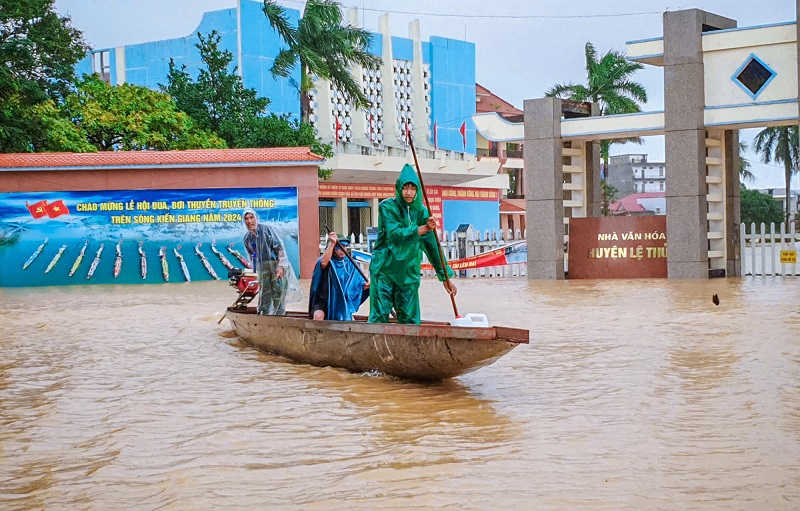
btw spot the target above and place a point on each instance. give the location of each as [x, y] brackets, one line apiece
[326, 215]
[661, 172]
[101, 64]
[661, 186]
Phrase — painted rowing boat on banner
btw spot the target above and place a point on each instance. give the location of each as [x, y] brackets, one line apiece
[430, 351]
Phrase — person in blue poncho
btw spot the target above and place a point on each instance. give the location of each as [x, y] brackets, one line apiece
[337, 287]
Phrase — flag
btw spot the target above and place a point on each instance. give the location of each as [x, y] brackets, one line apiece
[336, 130]
[463, 131]
[57, 208]
[490, 147]
[37, 210]
[435, 144]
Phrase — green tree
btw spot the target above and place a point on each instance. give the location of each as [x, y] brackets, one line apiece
[101, 117]
[38, 52]
[609, 195]
[219, 102]
[745, 172]
[780, 144]
[323, 45]
[609, 84]
[757, 207]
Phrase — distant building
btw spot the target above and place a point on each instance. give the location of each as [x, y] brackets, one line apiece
[632, 173]
[506, 152]
[424, 86]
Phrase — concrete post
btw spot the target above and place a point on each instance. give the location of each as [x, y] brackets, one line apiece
[733, 213]
[544, 191]
[341, 217]
[684, 103]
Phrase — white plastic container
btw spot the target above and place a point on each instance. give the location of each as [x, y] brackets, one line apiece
[471, 319]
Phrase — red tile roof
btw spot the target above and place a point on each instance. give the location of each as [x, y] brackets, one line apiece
[631, 202]
[512, 206]
[488, 102]
[194, 157]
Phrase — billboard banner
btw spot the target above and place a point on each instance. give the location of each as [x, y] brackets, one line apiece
[514, 253]
[135, 236]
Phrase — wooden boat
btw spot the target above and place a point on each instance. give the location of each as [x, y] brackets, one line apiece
[430, 351]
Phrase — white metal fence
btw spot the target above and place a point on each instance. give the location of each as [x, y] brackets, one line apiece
[761, 249]
[473, 243]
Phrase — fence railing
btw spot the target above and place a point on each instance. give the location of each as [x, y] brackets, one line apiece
[761, 249]
[455, 247]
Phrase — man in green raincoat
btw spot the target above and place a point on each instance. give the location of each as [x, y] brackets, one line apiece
[404, 227]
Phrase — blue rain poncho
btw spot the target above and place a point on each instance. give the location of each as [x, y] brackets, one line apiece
[337, 289]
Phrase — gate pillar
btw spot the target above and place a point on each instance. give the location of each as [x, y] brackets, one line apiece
[688, 193]
[544, 191]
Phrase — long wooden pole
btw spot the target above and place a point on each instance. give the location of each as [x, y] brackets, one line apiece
[435, 231]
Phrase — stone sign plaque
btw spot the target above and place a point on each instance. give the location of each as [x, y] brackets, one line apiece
[621, 247]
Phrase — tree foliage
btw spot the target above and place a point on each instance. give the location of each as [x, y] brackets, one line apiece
[781, 145]
[610, 193]
[757, 207]
[609, 84]
[218, 101]
[745, 167]
[38, 52]
[101, 117]
[322, 44]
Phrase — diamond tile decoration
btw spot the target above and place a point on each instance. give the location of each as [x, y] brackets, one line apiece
[754, 75]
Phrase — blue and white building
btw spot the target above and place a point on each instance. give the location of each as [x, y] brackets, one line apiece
[430, 85]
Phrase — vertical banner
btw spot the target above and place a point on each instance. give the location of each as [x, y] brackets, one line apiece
[135, 236]
[434, 194]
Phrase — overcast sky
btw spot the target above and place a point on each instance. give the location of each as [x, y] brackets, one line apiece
[523, 47]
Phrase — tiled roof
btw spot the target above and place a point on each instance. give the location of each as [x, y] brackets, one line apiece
[512, 206]
[631, 202]
[262, 156]
[489, 102]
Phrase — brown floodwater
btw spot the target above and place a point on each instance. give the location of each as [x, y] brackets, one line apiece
[632, 394]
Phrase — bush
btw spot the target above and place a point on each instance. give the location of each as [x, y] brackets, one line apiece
[759, 207]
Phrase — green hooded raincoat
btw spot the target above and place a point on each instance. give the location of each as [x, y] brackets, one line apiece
[396, 257]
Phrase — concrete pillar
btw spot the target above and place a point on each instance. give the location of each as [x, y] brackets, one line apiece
[422, 130]
[594, 190]
[341, 217]
[373, 211]
[544, 191]
[684, 130]
[733, 213]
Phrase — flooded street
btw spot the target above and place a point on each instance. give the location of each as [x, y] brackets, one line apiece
[632, 394]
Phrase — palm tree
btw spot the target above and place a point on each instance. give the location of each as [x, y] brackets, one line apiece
[610, 86]
[322, 45]
[780, 144]
[745, 172]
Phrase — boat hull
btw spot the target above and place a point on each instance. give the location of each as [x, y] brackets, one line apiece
[430, 351]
